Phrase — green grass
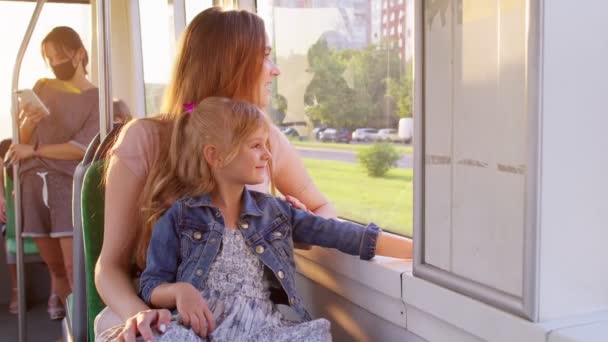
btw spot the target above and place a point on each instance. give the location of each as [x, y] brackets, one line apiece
[348, 147]
[386, 201]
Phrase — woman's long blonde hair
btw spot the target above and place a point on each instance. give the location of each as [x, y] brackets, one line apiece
[221, 53]
[217, 121]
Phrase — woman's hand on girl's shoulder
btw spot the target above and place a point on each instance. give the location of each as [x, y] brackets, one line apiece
[142, 323]
[296, 203]
[193, 309]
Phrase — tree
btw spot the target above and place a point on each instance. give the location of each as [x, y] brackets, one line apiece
[372, 68]
[329, 99]
[401, 92]
[349, 87]
[278, 109]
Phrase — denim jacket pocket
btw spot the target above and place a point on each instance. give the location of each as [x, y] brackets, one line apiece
[192, 241]
[279, 236]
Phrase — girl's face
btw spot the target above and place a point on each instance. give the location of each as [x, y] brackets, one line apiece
[269, 72]
[251, 163]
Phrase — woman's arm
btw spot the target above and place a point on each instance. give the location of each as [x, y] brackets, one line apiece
[112, 273]
[291, 177]
[66, 151]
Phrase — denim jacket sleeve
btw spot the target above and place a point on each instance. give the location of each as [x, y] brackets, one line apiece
[348, 237]
[163, 254]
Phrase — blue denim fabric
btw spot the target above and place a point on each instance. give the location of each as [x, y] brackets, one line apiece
[187, 238]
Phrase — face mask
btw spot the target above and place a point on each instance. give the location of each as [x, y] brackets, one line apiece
[64, 71]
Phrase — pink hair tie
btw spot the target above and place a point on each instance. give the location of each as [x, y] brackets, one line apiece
[189, 107]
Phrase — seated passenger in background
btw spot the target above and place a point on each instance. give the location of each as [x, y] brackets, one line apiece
[220, 248]
[10, 260]
[122, 114]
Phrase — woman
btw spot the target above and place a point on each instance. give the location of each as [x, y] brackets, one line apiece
[221, 53]
[51, 145]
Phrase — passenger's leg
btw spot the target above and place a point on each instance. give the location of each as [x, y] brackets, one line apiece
[13, 307]
[67, 251]
[50, 251]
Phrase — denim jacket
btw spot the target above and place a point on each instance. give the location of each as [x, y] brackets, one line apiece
[187, 238]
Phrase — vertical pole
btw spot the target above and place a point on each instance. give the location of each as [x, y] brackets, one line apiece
[17, 184]
[104, 57]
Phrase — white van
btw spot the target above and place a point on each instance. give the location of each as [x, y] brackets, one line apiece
[406, 129]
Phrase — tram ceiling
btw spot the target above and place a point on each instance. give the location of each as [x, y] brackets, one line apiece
[53, 1]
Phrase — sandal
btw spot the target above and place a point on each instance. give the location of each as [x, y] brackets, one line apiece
[55, 308]
[13, 307]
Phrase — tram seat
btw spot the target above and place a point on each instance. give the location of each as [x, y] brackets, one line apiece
[85, 302]
[76, 322]
[29, 247]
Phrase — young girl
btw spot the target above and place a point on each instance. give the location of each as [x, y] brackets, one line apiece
[220, 250]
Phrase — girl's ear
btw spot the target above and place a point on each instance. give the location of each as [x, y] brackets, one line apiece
[212, 156]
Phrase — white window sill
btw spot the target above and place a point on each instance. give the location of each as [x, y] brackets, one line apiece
[374, 285]
[385, 287]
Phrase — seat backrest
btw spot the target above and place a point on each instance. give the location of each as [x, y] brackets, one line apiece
[29, 247]
[92, 208]
[78, 310]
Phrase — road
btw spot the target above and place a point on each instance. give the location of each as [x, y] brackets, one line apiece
[406, 162]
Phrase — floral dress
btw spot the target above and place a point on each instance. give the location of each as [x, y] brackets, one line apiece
[237, 293]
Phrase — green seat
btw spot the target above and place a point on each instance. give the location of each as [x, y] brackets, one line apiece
[92, 224]
[76, 320]
[29, 247]
[92, 208]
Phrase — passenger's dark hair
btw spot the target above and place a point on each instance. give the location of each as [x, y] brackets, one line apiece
[65, 39]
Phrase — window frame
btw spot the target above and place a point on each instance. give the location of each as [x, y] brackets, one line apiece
[525, 306]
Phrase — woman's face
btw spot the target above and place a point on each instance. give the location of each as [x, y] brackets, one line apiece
[64, 65]
[269, 72]
[55, 56]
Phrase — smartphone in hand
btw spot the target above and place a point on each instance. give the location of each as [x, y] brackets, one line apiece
[28, 96]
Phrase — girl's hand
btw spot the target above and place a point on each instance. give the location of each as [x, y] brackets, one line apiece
[19, 152]
[142, 324]
[30, 115]
[193, 310]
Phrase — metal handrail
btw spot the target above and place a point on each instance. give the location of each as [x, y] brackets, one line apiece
[104, 78]
[17, 186]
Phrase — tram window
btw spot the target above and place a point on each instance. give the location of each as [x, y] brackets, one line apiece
[158, 47]
[194, 7]
[342, 68]
[15, 18]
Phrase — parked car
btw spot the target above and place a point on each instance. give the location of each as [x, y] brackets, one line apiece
[389, 135]
[290, 132]
[316, 132]
[335, 135]
[365, 134]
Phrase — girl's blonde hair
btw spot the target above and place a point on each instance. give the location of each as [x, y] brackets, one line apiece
[217, 121]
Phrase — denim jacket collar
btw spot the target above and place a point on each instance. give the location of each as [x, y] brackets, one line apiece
[250, 207]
